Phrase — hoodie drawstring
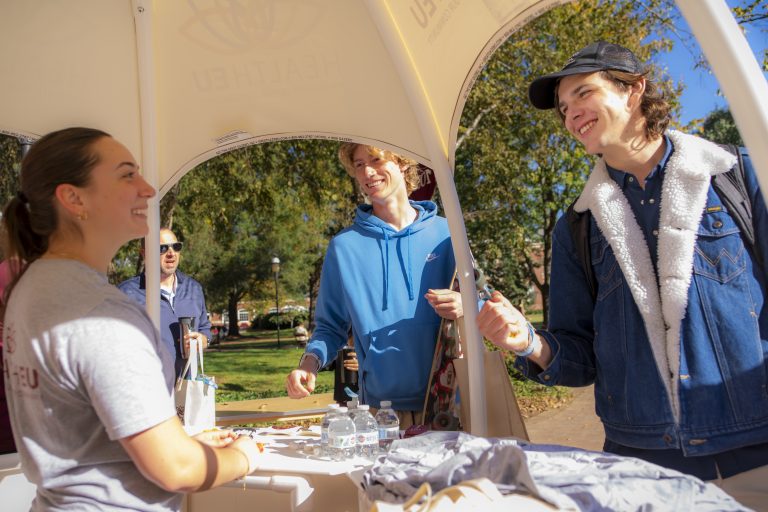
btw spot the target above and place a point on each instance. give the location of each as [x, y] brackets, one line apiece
[385, 264]
[409, 270]
[385, 256]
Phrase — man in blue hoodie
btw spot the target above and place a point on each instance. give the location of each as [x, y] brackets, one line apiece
[386, 277]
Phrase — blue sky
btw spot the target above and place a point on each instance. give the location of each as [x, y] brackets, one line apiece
[701, 88]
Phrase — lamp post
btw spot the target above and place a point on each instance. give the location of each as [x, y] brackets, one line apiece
[276, 271]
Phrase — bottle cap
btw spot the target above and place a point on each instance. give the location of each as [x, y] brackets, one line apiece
[342, 409]
[333, 406]
[363, 407]
[386, 403]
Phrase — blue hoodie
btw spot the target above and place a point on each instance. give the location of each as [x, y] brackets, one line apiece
[374, 280]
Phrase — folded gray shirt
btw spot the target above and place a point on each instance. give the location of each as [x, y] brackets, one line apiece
[568, 478]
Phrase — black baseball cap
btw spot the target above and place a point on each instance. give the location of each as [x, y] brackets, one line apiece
[598, 56]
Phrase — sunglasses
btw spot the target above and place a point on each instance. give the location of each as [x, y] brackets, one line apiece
[176, 246]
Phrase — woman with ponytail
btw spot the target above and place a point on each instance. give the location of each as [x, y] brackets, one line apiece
[89, 385]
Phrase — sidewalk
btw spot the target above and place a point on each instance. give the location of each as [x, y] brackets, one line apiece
[575, 424]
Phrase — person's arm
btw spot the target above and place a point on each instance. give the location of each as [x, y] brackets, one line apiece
[173, 461]
[301, 381]
[203, 323]
[506, 327]
[759, 213]
[330, 333]
[130, 389]
[562, 354]
[196, 300]
[570, 330]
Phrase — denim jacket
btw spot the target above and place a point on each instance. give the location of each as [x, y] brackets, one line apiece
[678, 360]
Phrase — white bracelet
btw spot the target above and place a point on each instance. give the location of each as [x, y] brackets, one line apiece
[533, 343]
[315, 359]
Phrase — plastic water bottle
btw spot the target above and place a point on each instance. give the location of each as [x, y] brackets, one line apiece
[352, 407]
[366, 433]
[332, 409]
[341, 436]
[389, 425]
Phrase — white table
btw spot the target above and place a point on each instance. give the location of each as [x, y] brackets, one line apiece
[16, 492]
[288, 479]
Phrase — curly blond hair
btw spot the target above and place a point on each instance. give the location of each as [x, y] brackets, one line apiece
[410, 174]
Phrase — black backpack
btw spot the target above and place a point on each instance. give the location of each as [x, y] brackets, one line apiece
[731, 188]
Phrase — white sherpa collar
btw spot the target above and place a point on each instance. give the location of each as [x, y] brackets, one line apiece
[687, 178]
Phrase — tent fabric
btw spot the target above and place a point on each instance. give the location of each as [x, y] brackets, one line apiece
[229, 74]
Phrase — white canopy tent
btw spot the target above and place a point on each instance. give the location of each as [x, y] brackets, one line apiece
[180, 82]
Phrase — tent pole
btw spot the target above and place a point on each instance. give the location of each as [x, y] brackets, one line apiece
[438, 154]
[738, 72]
[142, 12]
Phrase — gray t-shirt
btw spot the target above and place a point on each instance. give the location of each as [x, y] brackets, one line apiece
[84, 368]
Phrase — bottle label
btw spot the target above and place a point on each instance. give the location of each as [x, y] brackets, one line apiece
[343, 441]
[371, 437]
[389, 433]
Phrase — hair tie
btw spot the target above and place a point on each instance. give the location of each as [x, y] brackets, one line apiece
[20, 195]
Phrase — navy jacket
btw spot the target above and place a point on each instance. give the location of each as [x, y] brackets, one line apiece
[188, 301]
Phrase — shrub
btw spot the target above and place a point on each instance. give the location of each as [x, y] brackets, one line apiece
[287, 320]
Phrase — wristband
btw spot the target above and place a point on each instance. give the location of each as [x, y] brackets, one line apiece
[315, 360]
[533, 342]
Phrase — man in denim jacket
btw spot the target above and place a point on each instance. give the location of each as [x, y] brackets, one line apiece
[676, 340]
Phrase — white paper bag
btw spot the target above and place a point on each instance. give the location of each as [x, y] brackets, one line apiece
[196, 394]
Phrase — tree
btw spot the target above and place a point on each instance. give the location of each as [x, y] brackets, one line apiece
[10, 160]
[754, 13]
[239, 210]
[749, 14]
[516, 167]
[720, 127]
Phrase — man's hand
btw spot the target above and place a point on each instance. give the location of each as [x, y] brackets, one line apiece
[446, 303]
[200, 337]
[300, 383]
[350, 363]
[501, 323]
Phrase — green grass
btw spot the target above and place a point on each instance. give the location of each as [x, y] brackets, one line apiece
[253, 367]
[536, 318]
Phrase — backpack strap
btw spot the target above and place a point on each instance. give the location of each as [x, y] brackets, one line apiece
[732, 190]
[578, 224]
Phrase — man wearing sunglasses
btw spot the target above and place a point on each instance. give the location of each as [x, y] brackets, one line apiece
[181, 296]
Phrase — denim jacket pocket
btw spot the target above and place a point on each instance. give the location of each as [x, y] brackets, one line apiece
[719, 252]
[605, 267]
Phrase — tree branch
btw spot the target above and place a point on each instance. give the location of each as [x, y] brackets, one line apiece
[475, 123]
